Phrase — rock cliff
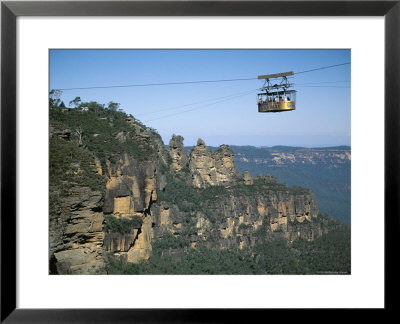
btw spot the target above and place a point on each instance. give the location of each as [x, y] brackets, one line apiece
[238, 216]
[177, 152]
[325, 170]
[140, 195]
[77, 233]
[219, 208]
[131, 188]
[109, 169]
[212, 169]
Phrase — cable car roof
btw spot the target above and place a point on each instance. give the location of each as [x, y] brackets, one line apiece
[276, 75]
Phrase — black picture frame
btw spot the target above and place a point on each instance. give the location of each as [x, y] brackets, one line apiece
[10, 10]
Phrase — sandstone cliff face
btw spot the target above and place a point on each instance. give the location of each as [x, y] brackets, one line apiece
[76, 234]
[128, 159]
[211, 169]
[131, 188]
[199, 198]
[234, 220]
[131, 247]
[177, 152]
[240, 212]
[248, 179]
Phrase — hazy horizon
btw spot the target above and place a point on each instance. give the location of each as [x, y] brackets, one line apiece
[214, 142]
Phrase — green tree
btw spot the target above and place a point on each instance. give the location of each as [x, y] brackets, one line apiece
[113, 106]
[76, 102]
[54, 98]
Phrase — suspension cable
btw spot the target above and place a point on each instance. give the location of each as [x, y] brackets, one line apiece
[189, 82]
[207, 105]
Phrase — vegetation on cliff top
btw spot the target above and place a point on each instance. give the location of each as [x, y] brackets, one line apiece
[71, 165]
[97, 130]
[188, 198]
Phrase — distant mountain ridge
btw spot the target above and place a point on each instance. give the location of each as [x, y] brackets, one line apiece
[292, 154]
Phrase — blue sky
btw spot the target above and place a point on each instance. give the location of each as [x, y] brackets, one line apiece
[321, 118]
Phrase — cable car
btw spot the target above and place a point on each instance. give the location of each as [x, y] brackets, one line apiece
[276, 97]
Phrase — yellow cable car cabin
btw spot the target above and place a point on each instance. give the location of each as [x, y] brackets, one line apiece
[276, 101]
[276, 97]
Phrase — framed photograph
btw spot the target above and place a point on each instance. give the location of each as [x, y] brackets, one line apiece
[192, 160]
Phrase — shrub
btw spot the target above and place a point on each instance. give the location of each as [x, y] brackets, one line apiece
[137, 221]
[170, 241]
[115, 266]
[118, 225]
[65, 153]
